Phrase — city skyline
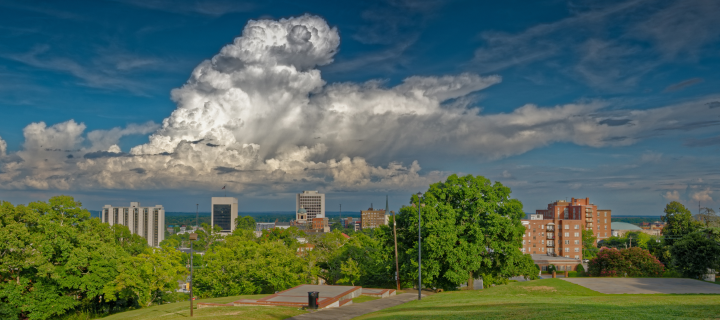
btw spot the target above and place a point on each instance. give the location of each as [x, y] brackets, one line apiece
[616, 102]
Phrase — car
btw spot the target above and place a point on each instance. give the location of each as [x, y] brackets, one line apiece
[586, 260]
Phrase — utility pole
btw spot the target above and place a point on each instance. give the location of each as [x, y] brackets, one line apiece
[197, 216]
[341, 222]
[193, 237]
[397, 265]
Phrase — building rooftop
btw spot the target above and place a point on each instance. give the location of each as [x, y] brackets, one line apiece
[545, 257]
[623, 226]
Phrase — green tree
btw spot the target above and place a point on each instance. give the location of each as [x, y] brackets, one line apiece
[147, 277]
[350, 271]
[589, 248]
[239, 266]
[470, 228]
[133, 244]
[695, 253]
[679, 221]
[245, 223]
[708, 218]
[53, 258]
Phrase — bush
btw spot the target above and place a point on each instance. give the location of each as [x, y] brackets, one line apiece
[573, 274]
[580, 270]
[635, 262]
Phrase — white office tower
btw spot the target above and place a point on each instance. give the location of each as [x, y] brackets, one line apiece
[148, 222]
[223, 213]
[313, 202]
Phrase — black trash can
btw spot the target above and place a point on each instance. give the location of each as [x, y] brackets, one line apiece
[313, 297]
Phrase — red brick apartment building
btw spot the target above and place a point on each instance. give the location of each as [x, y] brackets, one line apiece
[557, 230]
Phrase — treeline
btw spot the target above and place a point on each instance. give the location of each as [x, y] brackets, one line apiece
[56, 260]
[689, 246]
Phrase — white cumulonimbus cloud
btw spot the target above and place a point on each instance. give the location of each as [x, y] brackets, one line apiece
[259, 114]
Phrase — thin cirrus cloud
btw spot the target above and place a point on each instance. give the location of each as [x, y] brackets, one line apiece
[683, 84]
[259, 114]
[651, 34]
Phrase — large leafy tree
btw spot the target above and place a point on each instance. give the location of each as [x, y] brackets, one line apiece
[245, 223]
[679, 221]
[470, 228]
[695, 253]
[240, 266]
[53, 258]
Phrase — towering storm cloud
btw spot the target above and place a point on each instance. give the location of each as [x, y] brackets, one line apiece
[258, 114]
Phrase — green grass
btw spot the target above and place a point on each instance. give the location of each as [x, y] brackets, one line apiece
[552, 299]
[181, 310]
[362, 299]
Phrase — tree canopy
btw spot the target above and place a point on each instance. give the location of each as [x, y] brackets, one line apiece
[470, 228]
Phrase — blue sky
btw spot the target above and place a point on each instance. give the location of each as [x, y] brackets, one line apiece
[617, 101]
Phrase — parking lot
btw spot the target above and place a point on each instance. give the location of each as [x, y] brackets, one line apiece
[646, 285]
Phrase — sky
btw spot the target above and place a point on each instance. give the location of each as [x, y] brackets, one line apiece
[166, 102]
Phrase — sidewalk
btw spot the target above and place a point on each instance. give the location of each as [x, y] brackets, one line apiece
[356, 310]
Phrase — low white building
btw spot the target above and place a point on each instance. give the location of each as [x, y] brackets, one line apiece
[148, 222]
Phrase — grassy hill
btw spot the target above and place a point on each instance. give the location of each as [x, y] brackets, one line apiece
[181, 310]
[551, 299]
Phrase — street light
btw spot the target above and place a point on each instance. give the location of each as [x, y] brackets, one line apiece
[419, 194]
[397, 265]
[193, 237]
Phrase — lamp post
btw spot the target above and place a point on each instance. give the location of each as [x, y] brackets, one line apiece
[419, 194]
[193, 237]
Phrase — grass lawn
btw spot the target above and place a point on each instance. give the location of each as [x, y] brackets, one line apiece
[362, 299]
[552, 299]
[181, 310]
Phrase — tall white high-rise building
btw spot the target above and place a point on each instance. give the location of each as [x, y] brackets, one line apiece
[148, 222]
[313, 203]
[223, 213]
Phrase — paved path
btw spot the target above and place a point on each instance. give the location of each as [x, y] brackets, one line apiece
[645, 285]
[356, 310]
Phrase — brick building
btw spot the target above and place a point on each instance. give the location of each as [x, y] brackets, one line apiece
[372, 218]
[557, 230]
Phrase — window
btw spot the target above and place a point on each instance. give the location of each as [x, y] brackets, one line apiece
[605, 227]
[523, 235]
[606, 214]
[523, 243]
[542, 226]
[115, 215]
[606, 234]
[523, 250]
[567, 226]
[542, 234]
[567, 234]
[577, 257]
[567, 249]
[534, 238]
[561, 268]
[567, 241]
[577, 249]
[577, 241]
[542, 241]
[605, 220]
[577, 226]
[542, 249]
[577, 234]
[533, 230]
[566, 213]
[534, 245]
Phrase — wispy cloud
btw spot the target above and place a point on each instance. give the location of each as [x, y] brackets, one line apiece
[609, 48]
[204, 7]
[682, 84]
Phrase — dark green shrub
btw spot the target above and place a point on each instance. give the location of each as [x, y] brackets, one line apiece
[635, 262]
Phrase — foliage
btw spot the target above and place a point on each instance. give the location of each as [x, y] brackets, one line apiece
[240, 266]
[630, 239]
[589, 249]
[133, 244]
[679, 223]
[147, 277]
[350, 271]
[287, 236]
[708, 218]
[470, 228]
[635, 262]
[245, 223]
[695, 253]
[580, 270]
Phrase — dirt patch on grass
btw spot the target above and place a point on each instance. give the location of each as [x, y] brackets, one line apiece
[541, 288]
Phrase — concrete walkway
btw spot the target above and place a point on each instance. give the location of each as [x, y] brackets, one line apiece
[356, 310]
[646, 285]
